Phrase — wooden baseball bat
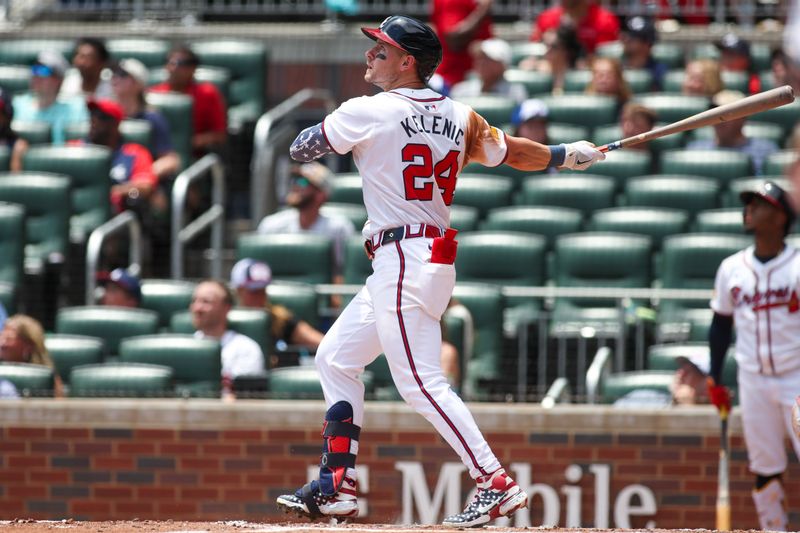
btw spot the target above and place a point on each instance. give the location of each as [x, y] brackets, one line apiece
[741, 108]
[723, 486]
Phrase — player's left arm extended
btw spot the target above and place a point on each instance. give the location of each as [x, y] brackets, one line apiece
[310, 145]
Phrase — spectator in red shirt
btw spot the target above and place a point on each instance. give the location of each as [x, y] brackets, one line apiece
[209, 116]
[593, 24]
[459, 23]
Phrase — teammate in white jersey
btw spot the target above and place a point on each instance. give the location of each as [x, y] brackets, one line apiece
[757, 289]
[409, 144]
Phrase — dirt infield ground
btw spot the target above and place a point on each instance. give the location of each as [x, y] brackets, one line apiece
[235, 526]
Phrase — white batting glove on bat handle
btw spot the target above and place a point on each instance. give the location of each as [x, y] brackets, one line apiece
[581, 155]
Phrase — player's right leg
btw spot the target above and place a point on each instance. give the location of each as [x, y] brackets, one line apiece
[347, 348]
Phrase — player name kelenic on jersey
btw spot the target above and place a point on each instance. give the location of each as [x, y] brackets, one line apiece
[409, 146]
[763, 299]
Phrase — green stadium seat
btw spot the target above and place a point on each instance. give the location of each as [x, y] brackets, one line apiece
[778, 162]
[722, 165]
[177, 110]
[166, 297]
[586, 110]
[703, 50]
[785, 116]
[673, 81]
[122, 380]
[16, 79]
[29, 379]
[550, 222]
[133, 131]
[12, 243]
[33, 132]
[483, 192]
[500, 170]
[356, 214]
[464, 218]
[736, 81]
[151, 52]
[565, 133]
[303, 382]
[218, 76]
[759, 53]
[485, 303]
[612, 49]
[112, 324]
[576, 80]
[617, 385]
[755, 130]
[653, 222]
[24, 51]
[299, 298]
[724, 220]
[624, 164]
[671, 54]
[675, 323]
[385, 389]
[253, 323]
[767, 80]
[730, 198]
[523, 49]
[46, 198]
[585, 192]
[535, 82]
[346, 188]
[496, 110]
[672, 107]
[247, 63]
[5, 158]
[196, 363]
[88, 167]
[69, 351]
[8, 296]
[689, 193]
[639, 80]
[303, 257]
[357, 266]
[613, 132]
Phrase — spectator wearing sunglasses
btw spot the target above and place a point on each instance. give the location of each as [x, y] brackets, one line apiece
[42, 104]
[310, 187]
[209, 114]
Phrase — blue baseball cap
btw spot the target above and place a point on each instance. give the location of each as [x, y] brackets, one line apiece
[122, 278]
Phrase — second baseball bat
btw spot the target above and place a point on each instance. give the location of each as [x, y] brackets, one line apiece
[746, 106]
[723, 489]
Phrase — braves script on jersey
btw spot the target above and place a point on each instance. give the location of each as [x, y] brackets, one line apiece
[763, 299]
[409, 146]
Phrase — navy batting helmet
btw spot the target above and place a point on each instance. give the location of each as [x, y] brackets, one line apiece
[773, 194]
[412, 36]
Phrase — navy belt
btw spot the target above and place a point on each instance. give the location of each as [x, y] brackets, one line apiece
[409, 231]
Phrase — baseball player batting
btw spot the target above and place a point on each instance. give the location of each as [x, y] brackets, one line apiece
[409, 144]
[758, 289]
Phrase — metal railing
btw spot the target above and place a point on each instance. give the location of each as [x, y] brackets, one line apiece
[269, 133]
[126, 220]
[214, 216]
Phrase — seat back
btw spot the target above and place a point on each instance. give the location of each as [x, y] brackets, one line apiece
[356, 214]
[582, 109]
[127, 380]
[585, 192]
[357, 266]
[464, 218]
[133, 131]
[69, 351]
[347, 188]
[618, 385]
[625, 164]
[151, 52]
[303, 257]
[672, 107]
[653, 222]
[166, 297]
[46, 198]
[501, 257]
[613, 132]
[112, 324]
[253, 323]
[177, 110]
[688, 193]
[722, 165]
[779, 162]
[725, 220]
[29, 379]
[196, 363]
[535, 82]
[303, 382]
[786, 116]
[89, 168]
[549, 222]
[247, 63]
[25, 51]
[35, 132]
[496, 110]
[299, 298]
[559, 132]
[483, 192]
[15, 79]
[12, 242]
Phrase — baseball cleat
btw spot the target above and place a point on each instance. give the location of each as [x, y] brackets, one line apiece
[498, 495]
[309, 502]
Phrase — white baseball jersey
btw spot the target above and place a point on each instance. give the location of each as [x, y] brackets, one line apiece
[409, 146]
[763, 300]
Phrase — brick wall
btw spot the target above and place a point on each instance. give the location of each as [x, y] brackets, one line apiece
[119, 459]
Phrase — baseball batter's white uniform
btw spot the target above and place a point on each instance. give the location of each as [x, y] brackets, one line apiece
[409, 145]
[763, 300]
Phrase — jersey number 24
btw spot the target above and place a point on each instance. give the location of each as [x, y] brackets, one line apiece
[444, 171]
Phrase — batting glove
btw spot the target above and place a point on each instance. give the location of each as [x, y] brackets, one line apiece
[719, 395]
[581, 155]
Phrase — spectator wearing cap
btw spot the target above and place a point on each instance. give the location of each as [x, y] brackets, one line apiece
[701, 77]
[120, 288]
[209, 113]
[8, 137]
[42, 104]
[593, 24]
[530, 120]
[132, 178]
[638, 37]
[459, 23]
[607, 80]
[128, 82]
[309, 190]
[491, 58]
[241, 355]
[729, 135]
[250, 279]
[91, 77]
[734, 56]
